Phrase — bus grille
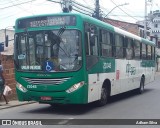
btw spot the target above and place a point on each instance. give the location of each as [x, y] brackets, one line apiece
[45, 81]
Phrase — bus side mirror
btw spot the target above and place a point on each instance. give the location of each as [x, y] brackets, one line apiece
[6, 41]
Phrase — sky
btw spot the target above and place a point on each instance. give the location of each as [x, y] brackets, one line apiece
[134, 11]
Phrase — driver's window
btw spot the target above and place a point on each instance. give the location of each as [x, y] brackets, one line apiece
[91, 40]
[91, 45]
[22, 55]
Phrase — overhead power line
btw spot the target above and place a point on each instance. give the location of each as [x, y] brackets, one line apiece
[124, 11]
[81, 9]
[83, 6]
[54, 1]
[126, 15]
[17, 4]
[89, 3]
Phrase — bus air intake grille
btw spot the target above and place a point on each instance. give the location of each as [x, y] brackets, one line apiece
[45, 81]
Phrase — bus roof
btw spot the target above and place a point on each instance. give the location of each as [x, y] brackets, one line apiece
[116, 29]
[98, 23]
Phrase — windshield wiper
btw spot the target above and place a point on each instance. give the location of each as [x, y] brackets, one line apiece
[57, 38]
[61, 30]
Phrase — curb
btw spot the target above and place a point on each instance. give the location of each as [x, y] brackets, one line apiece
[15, 105]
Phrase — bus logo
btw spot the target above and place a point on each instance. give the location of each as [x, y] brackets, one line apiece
[130, 70]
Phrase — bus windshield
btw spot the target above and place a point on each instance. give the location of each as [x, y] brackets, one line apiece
[51, 51]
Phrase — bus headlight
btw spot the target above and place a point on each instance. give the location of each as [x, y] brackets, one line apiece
[20, 87]
[75, 87]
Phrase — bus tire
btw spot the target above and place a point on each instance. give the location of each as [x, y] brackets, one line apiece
[104, 97]
[140, 90]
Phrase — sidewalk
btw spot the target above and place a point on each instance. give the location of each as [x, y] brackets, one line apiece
[13, 103]
[158, 73]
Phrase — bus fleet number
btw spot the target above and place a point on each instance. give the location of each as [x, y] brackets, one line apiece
[31, 86]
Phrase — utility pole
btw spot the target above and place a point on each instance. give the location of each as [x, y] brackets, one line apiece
[97, 10]
[145, 18]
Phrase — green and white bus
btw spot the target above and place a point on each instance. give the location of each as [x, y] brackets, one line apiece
[70, 58]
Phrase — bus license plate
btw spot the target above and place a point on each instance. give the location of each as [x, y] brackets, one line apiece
[46, 98]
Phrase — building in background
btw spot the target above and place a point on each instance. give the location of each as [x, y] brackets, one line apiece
[154, 23]
[135, 28]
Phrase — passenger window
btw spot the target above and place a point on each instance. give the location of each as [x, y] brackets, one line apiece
[106, 43]
[143, 51]
[129, 49]
[153, 53]
[91, 45]
[149, 52]
[137, 50]
[119, 46]
[91, 40]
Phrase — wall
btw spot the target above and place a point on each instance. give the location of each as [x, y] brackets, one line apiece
[7, 61]
[8, 65]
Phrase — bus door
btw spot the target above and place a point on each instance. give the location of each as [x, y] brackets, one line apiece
[91, 48]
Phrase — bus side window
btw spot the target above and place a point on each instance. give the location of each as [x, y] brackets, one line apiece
[149, 54]
[106, 43]
[112, 36]
[91, 40]
[91, 45]
[129, 49]
[86, 42]
[119, 46]
[144, 51]
[153, 53]
[137, 50]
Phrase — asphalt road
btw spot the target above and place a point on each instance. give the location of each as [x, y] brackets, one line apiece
[124, 106]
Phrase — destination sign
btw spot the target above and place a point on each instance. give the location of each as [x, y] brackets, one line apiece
[47, 21]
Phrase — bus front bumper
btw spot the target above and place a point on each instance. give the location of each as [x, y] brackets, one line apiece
[77, 97]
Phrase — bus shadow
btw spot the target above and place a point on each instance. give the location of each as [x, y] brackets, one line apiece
[127, 95]
[83, 109]
[64, 109]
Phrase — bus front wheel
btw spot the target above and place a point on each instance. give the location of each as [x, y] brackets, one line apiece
[104, 97]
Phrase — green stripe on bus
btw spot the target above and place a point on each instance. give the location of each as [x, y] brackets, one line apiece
[148, 63]
[105, 65]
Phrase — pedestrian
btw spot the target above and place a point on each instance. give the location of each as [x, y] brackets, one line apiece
[2, 84]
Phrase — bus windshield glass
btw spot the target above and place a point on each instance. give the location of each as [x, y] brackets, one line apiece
[51, 51]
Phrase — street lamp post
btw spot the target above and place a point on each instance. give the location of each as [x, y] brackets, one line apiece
[6, 36]
[114, 8]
